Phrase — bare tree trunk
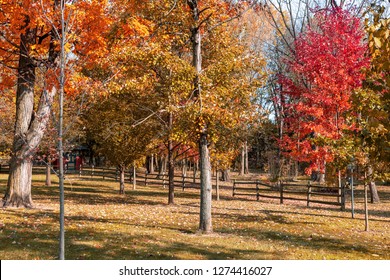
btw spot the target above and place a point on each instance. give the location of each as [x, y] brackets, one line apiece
[62, 37]
[152, 163]
[48, 173]
[296, 169]
[373, 190]
[171, 166]
[196, 168]
[217, 184]
[164, 167]
[134, 177]
[160, 167]
[184, 167]
[121, 169]
[242, 171]
[246, 166]
[366, 228]
[205, 224]
[226, 175]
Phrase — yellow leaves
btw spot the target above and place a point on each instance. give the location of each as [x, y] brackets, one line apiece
[378, 42]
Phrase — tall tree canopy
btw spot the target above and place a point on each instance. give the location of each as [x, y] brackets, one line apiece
[327, 67]
[29, 51]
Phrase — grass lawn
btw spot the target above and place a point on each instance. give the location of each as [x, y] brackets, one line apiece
[101, 224]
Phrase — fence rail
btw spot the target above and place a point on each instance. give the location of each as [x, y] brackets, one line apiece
[282, 191]
[288, 191]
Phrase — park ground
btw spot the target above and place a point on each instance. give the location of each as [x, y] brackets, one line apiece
[101, 224]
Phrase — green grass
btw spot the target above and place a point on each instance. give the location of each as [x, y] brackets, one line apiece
[101, 224]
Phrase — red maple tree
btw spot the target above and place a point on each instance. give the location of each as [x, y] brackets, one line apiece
[326, 69]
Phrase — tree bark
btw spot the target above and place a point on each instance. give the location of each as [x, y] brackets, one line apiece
[121, 169]
[29, 128]
[318, 177]
[48, 173]
[171, 166]
[160, 167]
[152, 163]
[246, 166]
[205, 224]
[134, 177]
[217, 184]
[226, 175]
[366, 228]
[374, 197]
[242, 170]
[184, 168]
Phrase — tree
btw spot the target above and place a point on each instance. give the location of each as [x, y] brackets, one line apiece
[372, 103]
[29, 46]
[327, 67]
[207, 19]
[113, 124]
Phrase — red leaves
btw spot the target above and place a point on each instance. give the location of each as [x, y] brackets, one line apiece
[327, 67]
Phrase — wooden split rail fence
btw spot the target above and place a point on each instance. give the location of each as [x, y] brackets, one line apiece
[146, 179]
[283, 191]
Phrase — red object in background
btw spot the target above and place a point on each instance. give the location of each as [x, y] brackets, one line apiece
[79, 162]
[56, 163]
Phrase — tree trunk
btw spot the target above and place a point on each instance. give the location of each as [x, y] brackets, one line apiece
[171, 166]
[121, 169]
[318, 177]
[226, 175]
[366, 228]
[196, 168]
[217, 185]
[48, 173]
[134, 177]
[296, 170]
[194, 174]
[152, 163]
[171, 183]
[164, 167]
[29, 128]
[246, 166]
[205, 224]
[184, 168]
[147, 164]
[242, 170]
[19, 184]
[160, 167]
[373, 190]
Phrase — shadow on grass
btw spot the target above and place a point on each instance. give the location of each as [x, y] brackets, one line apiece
[313, 243]
[42, 243]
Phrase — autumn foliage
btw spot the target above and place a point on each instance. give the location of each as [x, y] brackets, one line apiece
[326, 69]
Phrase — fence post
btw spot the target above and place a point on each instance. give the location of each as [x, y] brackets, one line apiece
[146, 178]
[80, 170]
[234, 186]
[257, 190]
[163, 179]
[183, 181]
[308, 193]
[92, 171]
[281, 192]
